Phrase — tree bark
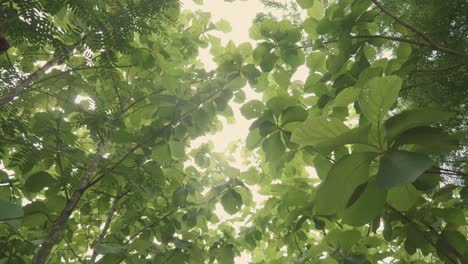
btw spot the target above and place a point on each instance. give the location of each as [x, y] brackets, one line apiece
[23, 85]
[59, 225]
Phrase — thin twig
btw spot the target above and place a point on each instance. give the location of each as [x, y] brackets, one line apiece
[427, 39]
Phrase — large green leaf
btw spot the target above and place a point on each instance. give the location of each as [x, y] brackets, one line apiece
[343, 239]
[367, 207]
[399, 167]
[252, 109]
[316, 130]
[273, 146]
[316, 62]
[38, 181]
[11, 213]
[404, 197]
[358, 135]
[377, 96]
[231, 201]
[305, 3]
[343, 178]
[346, 97]
[414, 118]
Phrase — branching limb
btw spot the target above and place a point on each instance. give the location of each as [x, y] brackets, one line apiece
[59, 225]
[25, 84]
[423, 36]
[107, 223]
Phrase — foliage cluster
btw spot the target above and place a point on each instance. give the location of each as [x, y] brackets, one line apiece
[99, 107]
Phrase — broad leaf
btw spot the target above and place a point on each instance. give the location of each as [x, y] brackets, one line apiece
[367, 207]
[316, 130]
[231, 201]
[252, 109]
[377, 96]
[38, 181]
[399, 167]
[343, 178]
[11, 213]
[404, 197]
[413, 118]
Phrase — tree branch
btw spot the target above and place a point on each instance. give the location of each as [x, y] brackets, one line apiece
[107, 223]
[25, 84]
[428, 239]
[428, 40]
[59, 225]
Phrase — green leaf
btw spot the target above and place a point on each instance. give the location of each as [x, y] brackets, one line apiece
[316, 11]
[223, 25]
[268, 62]
[399, 167]
[273, 147]
[358, 135]
[293, 57]
[403, 51]
[225, 254]
[316, 62]
[252, 109]
[305, 3]
[453, 216]
[343, 239]
[161, 153]
[322, 166]
[346, 97]
[310, 26]
[404, 197]
[293, 114]
[317, 130]
[414, 118]
[104, 249]
[377, 96]
[282, 78]
[198, 2]
[231, 201]
[250, 72]
[11, 213]
[177, 149]
[367, 207]
[428, 136]
[167, 232]
[360, 6]
[343, 178]
[38, 181]
[278, 103]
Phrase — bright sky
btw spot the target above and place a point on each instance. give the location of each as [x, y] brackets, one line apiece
[240, 15]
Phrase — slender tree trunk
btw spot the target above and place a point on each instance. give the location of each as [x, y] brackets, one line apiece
[61, 222]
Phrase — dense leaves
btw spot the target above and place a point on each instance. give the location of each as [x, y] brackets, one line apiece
[101, 103]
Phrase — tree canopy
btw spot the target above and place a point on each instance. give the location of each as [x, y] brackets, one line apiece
[100, 102]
